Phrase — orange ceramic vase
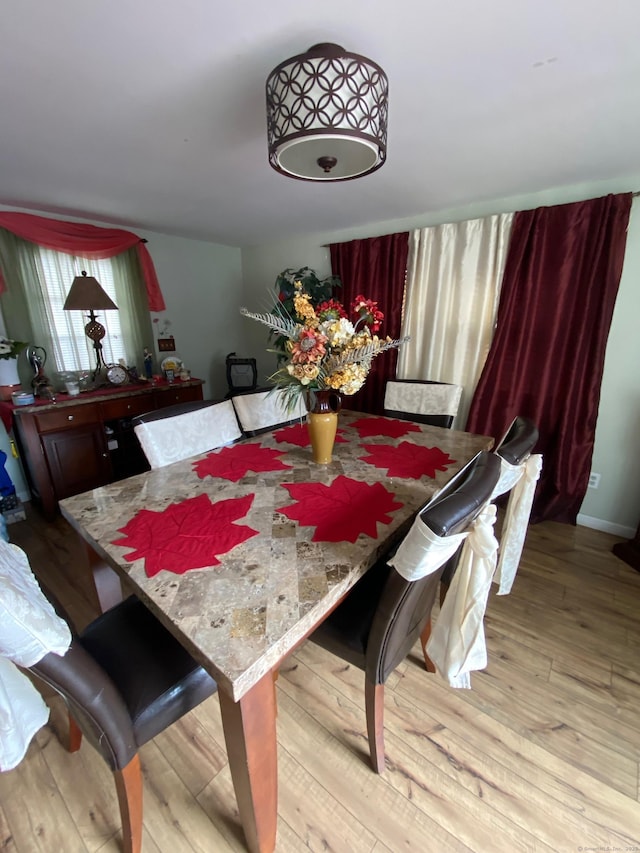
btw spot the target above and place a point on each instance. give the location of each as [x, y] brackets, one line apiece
[322, 422]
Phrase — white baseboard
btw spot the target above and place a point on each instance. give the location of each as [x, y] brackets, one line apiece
[606, 526]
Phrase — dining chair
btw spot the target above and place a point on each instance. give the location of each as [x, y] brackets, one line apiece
[519, 470]
[519, 440]
[515, 452]
[186, 429]
[263, 411]
[424, 401]
[125, 679]
[383, 615]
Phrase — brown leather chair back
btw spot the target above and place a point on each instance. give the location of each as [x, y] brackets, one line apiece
[125, 679]
[405, 606]
[519, 441]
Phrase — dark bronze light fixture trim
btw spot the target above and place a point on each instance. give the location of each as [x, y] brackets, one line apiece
[327, 115]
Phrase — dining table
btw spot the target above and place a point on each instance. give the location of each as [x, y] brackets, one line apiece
[243, 551]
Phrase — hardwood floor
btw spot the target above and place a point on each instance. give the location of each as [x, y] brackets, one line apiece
[542, 754]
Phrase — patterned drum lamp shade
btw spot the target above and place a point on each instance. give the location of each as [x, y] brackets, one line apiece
[327, 115]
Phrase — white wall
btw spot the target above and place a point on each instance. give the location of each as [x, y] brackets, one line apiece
[202, 287]
[615, 505]
[616, 454]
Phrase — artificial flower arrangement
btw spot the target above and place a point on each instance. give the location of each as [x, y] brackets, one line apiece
[319, 347]
[11, 349]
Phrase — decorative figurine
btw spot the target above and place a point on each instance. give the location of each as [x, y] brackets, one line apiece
[40, 383]
[148, 363]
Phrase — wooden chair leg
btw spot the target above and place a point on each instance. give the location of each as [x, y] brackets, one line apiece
[129, 788]
[75, 735]
[374, 703]
[424, 637]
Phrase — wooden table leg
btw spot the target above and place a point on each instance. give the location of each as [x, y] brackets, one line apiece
[106, 580]
[250, 735]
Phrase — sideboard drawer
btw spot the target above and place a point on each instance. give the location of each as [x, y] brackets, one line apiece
[177, 394]
[126, 408]
[67, 417]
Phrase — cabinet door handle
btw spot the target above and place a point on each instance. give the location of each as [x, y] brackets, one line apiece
[105, 455]
[69, 417]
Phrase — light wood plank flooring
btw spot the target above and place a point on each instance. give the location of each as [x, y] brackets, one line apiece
[542, 754]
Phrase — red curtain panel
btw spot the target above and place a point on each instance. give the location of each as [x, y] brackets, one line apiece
[375, 268]
[547, 357]
[87, 241]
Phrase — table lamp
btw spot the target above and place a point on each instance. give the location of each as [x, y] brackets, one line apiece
[86, 294]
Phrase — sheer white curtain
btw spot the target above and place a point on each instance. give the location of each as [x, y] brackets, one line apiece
[454, 273]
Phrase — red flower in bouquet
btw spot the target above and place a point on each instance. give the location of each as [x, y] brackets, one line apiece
[367, 311]
[309, 348]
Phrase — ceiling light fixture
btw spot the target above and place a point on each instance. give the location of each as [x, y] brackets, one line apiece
[327, 115]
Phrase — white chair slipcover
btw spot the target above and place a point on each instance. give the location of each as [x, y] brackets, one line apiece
[171, 439]
[457, 643]
[29, 630]
[520, 481]
[422, 398]
[264, 409]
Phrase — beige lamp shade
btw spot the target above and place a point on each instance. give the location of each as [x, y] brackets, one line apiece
[86, 294]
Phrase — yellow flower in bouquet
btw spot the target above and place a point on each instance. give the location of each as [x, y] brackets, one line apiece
[320, 347]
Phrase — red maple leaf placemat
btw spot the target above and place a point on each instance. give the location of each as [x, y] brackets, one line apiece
[186, 535]
[407, 459]
[232, 463]
[299, 434]
[342, 511]
[384, 426]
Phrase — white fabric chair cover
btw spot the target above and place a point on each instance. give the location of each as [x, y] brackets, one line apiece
[266, 409]
[29, 630]
[174, 438]
[521, 481]
[457, 644]
[422, 398]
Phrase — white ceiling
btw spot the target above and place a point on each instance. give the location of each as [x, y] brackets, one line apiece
[152, 114]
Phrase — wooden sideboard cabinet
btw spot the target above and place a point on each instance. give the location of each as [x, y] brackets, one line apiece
[80, 443]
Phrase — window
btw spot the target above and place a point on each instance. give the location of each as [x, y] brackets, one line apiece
[73, 350]
[32, 306]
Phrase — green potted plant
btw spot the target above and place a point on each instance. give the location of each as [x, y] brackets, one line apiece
[319, 289]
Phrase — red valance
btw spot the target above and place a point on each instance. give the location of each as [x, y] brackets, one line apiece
[88, 241]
